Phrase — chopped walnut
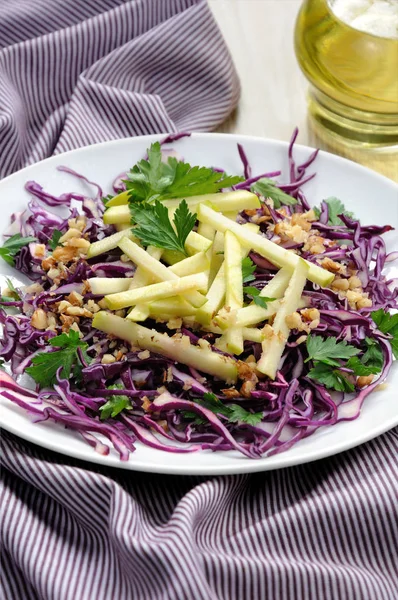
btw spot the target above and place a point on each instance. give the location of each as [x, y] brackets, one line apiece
[77, 311]
[108, 359]
[247, 388]
[246, 371]
[354, 282]
[39, 319]
[69, 234]
[51, 322]
[102, 303]
[92, 306]
[63, 305]
[358, 299]
[310, 314]
[364, 380]
[340, 284]
[65, 254]
[231, 393]
[75, 299]
[292, 232]
[300, 220]
[294, 321]
[267, 332]
[333, 266]
[78, 243]
[145, 403]
[53, 273]
[364, 303]
[175, 323]
[79, 223]
[315, 244]
[67, 322]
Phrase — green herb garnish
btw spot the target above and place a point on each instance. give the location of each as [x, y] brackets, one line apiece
[254, 294]
[46, 364]
[234, 412]
[154, 227]
[248, 268]
[268, 189]
[115, 404]
[53, 243]
[329, 350]
[13, 245]
[387, 323]
[153, 179]
[336, 207]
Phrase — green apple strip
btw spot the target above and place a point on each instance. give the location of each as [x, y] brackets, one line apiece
[273, 346]
[215, 297]
[139, 313]
[156, 269]
[157, 291]
[109, 285]
[274, 253]
[254, 314]
[141, 277]
[118, 200]
[119, 212]
[196, 243]
[217, 255]
[191, 265]
[109, 243]
[171, 307]
[233, 289]
[206, 231]
[225, 201]
[177, 348]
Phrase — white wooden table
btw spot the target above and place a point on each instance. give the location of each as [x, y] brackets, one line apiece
[259, 34]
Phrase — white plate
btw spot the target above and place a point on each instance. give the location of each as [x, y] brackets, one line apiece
[370, 196]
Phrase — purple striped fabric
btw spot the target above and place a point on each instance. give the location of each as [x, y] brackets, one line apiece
[110, 70]
[71, 531]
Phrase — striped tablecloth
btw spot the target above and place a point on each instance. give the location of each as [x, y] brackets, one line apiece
[74, 72]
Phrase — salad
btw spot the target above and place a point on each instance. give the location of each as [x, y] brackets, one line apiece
[192, 309]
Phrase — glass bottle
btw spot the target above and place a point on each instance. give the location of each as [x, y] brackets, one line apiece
[353, 95]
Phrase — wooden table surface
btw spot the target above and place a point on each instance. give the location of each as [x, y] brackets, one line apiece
[259, 34]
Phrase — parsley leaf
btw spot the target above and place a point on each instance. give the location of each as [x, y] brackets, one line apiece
[234, 412]
[154, 227]
[358, 367]
[254, 294]
[248, 268]
[330, 377]
[239, 414]
[53, 243]
[46, 364]
[152, 179]
[13, 245]
[335, 207]
[329, 350]
[268, 189]
[387, 323]
[373, 356]
[115, 404]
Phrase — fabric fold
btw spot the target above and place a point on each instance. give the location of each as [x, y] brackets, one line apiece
[143, 66]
